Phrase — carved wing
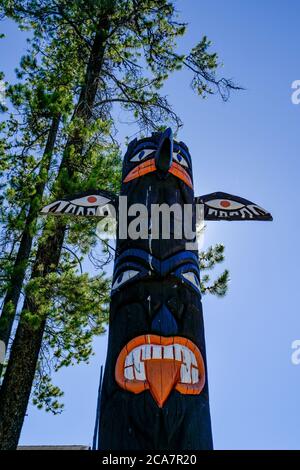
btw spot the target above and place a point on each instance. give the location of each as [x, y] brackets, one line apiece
[90, 203]
[223, 206]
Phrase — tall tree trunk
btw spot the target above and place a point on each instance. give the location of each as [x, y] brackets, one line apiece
[17, 383]
[16, 387]
[17, 277]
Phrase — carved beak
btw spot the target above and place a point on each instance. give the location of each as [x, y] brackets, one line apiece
[149, 166]
[146, 167]
[164, 153]
[162, 162]
[180, 172]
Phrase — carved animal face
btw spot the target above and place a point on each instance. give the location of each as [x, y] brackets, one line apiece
[165, 158]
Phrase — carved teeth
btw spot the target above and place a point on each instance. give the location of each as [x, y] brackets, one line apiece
[168, 352]
[134, 368]
[178, 349]
[128, 373]
[156, 352]
[146, 352]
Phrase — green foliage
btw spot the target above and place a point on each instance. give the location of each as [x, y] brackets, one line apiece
[209, 259]
[140, 51]
[46, 395]
[71, 321]
[139, 41]
[74, 315]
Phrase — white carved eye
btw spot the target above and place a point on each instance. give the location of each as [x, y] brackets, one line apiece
[180, 159]
[225, 204]
[191, 277]
[141, 155]
[91, 200]
[124, 277]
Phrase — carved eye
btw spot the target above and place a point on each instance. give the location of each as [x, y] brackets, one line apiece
[191, 277]
[180, 159]
[225, 204]
[124, 277]
[141, 155]
[91, 200]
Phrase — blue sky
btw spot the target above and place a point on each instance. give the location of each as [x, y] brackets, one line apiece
[249, 147]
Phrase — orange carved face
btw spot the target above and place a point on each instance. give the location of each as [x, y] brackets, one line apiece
[159, 364]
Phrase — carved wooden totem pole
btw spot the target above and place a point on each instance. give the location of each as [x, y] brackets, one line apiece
[155, 388]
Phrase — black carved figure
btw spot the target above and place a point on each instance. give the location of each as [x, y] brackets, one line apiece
[155, 387]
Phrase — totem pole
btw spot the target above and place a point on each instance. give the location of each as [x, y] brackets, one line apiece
[155, 387]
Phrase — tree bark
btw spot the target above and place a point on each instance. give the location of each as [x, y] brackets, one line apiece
[17, 383]
[18, 274]
[19, 376]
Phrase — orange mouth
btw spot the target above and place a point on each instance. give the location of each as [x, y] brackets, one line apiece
[149, 166]
[159, 364]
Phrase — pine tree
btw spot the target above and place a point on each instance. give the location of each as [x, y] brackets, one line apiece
[128, 49]
[42, 99]
[208, 260]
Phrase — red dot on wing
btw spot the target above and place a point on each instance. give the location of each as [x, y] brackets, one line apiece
[92, 199]
[225, 204]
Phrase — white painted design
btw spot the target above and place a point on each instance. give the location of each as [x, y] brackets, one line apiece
[70, 209]
[124, 277]
[180, 159]
[128, 373]
[129, 360]
[91, 211]
[79, 206]
[178, 349]
[142, 155]
[80, 211]
[84, 201]
[156, 352]
[219, 204]
[257, 210]
[243, 213]
[195, 375]
[134, 367]
[48, 208]
[146, 352]
[246, 213]
[168, 352]
[185, 374]
[191, 277]
[150, 226]
[139, 370]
